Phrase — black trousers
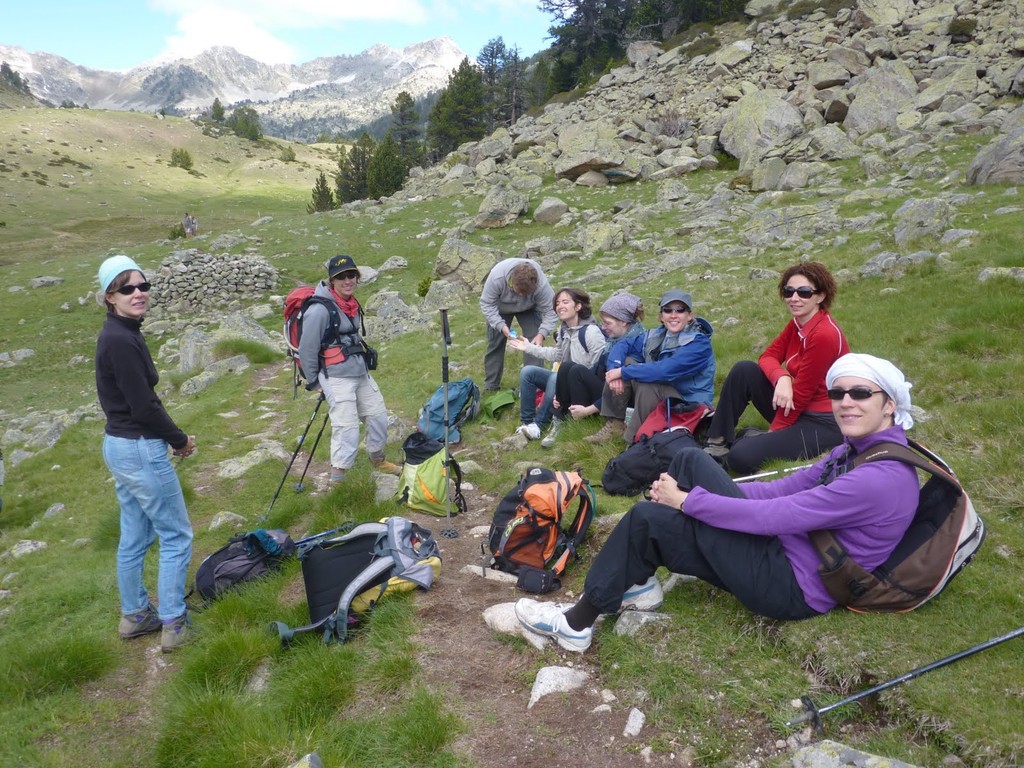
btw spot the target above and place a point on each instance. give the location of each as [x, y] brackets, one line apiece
[811, 435]
[576, 384]
[753, 568]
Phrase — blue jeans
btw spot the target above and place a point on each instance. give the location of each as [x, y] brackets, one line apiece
[531, 379]
[152, 506]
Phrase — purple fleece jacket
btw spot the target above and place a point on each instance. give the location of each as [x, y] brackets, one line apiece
[868, 508]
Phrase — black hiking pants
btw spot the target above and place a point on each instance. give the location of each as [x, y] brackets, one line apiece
[753, 568]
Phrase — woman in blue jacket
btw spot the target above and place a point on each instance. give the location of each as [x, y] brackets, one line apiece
[674, 360]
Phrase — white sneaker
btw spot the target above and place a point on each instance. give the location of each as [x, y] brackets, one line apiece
[644, 597]
[548, 619]
[552, 435]
[531, 430]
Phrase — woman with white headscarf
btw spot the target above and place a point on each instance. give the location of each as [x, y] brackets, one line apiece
[751, 539]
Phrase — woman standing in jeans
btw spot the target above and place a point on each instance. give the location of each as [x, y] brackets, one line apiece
[137, 436]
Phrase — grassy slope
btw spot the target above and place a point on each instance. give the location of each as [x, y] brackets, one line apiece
[68, 683]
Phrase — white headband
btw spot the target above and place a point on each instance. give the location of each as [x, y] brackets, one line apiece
[884, 374]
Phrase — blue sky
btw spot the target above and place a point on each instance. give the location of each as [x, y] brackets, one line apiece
[119, 34]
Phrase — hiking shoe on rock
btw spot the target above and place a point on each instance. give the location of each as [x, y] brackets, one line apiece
[716, 448]
[531, 430]
[138, 624]
[175, 633]
[548, 619]
[644, 597]
[385, 466]
[612, 428]
[552, 435]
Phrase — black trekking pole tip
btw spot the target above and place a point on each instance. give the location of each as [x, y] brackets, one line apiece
[449, 533]
[299, 487]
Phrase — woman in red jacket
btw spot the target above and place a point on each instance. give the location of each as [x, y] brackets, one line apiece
[787, 383]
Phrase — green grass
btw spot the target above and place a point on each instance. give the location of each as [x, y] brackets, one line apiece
[67, 682]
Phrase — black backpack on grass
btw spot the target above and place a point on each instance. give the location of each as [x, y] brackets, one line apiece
[347, 575]
[941, 540]
[632, 471]
[245, 557]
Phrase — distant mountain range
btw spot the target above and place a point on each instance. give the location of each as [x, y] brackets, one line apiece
[330, 94]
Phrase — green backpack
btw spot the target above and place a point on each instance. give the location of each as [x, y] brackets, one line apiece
[424, 484]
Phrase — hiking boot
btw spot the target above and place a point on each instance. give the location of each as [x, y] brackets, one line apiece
[337, 475]
[644, 597]
[548, 619]
[383, 465]
[175, 633]
[532, 431]
[552, 435]
[612, 428]
[138, 624]
[716, 448]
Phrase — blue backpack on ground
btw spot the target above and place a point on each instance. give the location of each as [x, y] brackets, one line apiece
[463, 405]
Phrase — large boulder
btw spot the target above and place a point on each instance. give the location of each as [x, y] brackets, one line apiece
[1001, 162]
[757, 123]
[883, 13]
[963, 82]
[589, 146]
[886, 90]
[465, 264]
[501, 207]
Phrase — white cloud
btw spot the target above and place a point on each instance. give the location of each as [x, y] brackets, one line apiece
[251, 26]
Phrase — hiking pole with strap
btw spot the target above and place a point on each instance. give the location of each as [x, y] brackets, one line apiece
[298, 448]
[446, 338]
[813, 713]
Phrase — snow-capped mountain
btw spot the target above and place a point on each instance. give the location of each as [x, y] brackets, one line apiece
[328, 94]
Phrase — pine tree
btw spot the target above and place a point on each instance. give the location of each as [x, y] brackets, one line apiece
[492, 63]
[405, 130]
[217, 111]
[245, 123]
[323, 198]
[386, 171]
[460, 114]
[352, 166]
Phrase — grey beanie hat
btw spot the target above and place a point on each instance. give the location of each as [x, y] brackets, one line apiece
[622, 306]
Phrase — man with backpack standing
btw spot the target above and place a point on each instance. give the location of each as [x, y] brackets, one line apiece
[515, 289]
[337, 362]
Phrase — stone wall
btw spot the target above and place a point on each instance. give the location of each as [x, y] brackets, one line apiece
[192, 281]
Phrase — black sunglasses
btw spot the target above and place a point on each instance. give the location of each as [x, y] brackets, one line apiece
[349, 275]
[675, 310]
[804, 291]
[128, 290]
[855, 393]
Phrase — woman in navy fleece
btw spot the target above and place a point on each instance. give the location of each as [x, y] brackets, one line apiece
[138, 435]
[752, 539]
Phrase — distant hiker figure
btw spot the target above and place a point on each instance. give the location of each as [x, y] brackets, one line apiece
[186, 224]
[193, 226]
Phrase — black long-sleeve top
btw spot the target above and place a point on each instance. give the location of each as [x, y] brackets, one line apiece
[126, 380]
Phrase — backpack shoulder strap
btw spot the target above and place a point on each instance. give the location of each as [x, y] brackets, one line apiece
[913, 454]
[830, 551]
[582, 335]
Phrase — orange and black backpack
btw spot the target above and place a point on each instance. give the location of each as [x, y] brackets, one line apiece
[531, 535]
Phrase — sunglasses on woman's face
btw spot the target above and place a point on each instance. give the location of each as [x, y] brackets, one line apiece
[804, 291]
[855, 393]
[128, 290]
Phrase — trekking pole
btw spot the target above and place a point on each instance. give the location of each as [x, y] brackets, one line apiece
[446, 338]
[813, 713]
[299, 487]
[298, 447]
[759, 475]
